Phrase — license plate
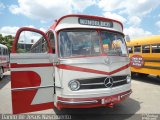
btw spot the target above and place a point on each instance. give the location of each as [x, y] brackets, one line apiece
[110, 99]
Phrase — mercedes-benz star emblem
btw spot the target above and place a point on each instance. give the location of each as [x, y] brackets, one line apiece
[108, 82]
[107, 61]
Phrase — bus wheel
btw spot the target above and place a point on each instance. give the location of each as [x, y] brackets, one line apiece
[1, 73]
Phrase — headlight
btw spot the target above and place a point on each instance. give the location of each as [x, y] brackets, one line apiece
[74, 85]
[128, 78]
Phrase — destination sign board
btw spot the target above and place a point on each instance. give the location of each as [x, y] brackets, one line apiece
[91, 22]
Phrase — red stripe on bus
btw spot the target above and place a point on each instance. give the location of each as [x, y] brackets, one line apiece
[15, 65]
[120, 69]
[69, 67]
[22, 102]
[74, 68]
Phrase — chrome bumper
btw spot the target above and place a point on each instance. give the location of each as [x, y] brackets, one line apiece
[78, 102]
[73, 101]
[125, 95]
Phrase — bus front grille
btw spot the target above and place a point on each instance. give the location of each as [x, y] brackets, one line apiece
[103, 82]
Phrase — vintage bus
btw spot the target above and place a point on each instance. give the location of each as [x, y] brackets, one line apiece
[80, 62]
[145, 55]
[4, 60]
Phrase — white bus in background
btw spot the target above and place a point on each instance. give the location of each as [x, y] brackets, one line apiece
[4, 60]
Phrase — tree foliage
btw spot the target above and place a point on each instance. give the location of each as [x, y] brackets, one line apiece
[7, 40]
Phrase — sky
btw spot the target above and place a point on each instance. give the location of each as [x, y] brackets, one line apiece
[140, 18]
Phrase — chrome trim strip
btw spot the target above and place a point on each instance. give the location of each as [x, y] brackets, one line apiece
[78, 102]
[102, 76]
[103, 83]
[119, 81]
[93, 84]
[127, 94]
[31, 88]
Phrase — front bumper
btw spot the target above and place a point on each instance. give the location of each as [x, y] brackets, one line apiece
[92, 102]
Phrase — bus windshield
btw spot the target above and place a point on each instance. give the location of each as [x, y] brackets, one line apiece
[77, 43]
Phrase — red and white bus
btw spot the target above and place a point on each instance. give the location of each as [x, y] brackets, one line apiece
[80, 62]
[4, 60]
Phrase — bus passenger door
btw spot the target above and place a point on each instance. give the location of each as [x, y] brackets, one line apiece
[32, 71]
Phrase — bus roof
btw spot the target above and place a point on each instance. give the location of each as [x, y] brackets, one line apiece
[87, 21]
[1, 45]
[145, 41]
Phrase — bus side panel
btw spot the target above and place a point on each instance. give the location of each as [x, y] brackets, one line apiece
[24, 105]
[22, 99]
[151, 64]
[32, 79]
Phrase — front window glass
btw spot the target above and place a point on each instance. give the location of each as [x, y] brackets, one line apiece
[76, 43]
[113, 44]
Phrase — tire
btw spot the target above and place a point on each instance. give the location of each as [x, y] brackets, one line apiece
[1, 73]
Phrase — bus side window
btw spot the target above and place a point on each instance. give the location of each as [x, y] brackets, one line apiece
[146, 49]
[156, 48]
[3, 51]
[137, 49]
[6, 53]
[52, 40]
[130, 49]
[0, 51]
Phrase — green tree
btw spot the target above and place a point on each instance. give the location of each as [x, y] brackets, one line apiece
[7, 40]
[1, 38]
